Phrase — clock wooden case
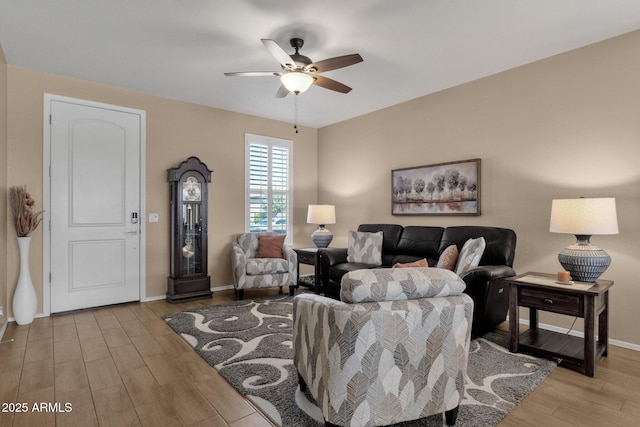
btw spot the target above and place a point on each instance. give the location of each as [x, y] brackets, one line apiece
[189, 277]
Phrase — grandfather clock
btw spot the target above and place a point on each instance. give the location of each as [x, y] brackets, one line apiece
[188, 200]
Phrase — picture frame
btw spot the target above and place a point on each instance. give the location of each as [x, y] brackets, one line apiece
[451, 188]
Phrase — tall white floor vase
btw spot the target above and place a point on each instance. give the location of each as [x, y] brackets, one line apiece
[25, 301]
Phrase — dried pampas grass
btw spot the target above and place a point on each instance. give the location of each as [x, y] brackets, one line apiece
[21, 205]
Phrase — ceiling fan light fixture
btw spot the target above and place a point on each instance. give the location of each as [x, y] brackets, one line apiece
[296, 81]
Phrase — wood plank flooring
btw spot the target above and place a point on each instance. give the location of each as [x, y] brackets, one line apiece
[569, 398]
[123, 366]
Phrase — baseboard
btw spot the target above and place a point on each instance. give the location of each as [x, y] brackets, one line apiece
[579, 334]
[222, 288]
[37, 316]
[147, 299]
[216, 289]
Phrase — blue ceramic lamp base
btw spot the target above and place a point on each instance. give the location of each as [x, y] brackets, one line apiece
[584, 261]
[321, 237]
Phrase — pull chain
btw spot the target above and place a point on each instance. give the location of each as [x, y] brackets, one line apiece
[295, 114]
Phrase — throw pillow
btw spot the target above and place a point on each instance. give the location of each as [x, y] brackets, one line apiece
[270, 246]
[448, 258]
[420, 263]
[365, 247]
[470, 255]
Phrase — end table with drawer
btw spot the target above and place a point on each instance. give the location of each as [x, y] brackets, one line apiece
[310, 256]
[540, 291]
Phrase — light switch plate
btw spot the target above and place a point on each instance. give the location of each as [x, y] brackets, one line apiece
[154, 217]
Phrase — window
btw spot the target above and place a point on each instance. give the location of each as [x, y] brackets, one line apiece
[268, 204]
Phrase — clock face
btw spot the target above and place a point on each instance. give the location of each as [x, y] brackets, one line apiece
[191, 190]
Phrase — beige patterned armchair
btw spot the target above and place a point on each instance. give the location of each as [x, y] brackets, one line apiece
[394, 349]
[251, 272]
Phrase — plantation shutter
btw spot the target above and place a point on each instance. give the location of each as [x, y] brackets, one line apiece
[269, 201]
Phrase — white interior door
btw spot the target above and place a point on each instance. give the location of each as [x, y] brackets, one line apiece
[95, 206]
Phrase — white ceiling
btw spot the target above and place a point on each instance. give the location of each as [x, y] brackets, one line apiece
[181, 48]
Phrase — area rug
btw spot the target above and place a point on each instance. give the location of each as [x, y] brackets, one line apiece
[249, 343]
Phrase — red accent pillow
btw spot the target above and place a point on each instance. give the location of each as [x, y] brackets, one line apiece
[270, 246]
[419, 263]
[448, 258]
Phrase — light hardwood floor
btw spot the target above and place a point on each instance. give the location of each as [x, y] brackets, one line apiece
[123, 366]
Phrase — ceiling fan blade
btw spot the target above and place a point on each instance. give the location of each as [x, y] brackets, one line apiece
[279, 53]
[328, 83]
[335, 63]
[254, 73]
[282, 92]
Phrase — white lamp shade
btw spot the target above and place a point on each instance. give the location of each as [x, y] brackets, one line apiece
[321, 214]
[584, 216]
[296, 82]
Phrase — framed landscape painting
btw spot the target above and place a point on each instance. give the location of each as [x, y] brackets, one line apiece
[441, 189]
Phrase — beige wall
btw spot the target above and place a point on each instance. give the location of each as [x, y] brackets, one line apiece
[564, 127]
[567, 126]
[175, 131]
[3, 184]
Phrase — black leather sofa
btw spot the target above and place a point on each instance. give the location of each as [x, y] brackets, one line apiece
[485, 284]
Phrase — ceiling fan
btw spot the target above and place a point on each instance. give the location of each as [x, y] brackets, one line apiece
[299, 72]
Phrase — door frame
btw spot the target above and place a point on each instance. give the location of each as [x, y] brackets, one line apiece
[46, 191]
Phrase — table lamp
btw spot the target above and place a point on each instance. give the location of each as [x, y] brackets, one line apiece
[583, 218]
[321, 215]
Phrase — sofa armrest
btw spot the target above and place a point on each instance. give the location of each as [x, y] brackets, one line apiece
[238, 263]
[486, 273]
[292, 259]
[333, 256]
[487, 286]
[328, 258]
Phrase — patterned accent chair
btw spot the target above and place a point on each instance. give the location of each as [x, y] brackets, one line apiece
[394, 349]
[251, 272]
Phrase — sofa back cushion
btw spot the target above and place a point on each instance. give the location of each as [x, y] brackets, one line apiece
[390, 237]
[391, 284]
[417, 242]
[500, 242]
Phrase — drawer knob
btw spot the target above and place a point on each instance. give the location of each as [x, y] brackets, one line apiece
[548, 300]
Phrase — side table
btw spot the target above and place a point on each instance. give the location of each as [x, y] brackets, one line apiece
[310, 256]
[540, 291]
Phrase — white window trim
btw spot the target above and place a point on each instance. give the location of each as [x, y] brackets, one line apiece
[270, 142]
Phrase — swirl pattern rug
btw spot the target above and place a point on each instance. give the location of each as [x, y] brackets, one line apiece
[249, 343]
